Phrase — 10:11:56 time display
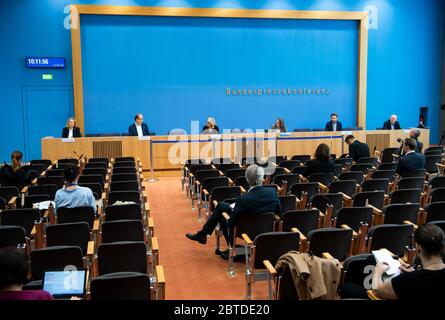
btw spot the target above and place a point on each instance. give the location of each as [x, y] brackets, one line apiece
[37, 61]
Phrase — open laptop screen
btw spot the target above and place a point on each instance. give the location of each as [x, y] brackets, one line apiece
[65, 284]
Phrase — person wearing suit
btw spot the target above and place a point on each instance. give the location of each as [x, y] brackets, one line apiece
[210, 126]
[357, 149]
[71, 131]
[255, 201]
[411, 160]
[334, 124]
[138, 128]
[322, 162]
[392, 123]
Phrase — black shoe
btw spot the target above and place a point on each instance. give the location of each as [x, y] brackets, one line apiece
[237, 258]
[200, 237]
[219, 252]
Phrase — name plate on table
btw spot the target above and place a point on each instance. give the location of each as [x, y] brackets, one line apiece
[215, 136]
[406, 131]
[285, 134]
[346, 132]
[68, 140]
[144, 138]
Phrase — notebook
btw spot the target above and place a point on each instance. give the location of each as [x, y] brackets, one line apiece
[383, 256]
[65, 284]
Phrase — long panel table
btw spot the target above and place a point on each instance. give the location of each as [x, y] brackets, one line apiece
[169, 152]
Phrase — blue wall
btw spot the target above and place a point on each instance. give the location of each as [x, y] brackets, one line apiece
[403, 65]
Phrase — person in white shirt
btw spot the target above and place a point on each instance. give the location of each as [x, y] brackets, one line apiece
[138, 128]
[71, 131]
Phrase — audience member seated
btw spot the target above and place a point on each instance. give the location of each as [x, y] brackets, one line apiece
[210, 127]
[410, 160]
[391, 123]
[357, 149]
[72, 195]
[334, 124]
[322, 162]
[14, 175]
[255, 201]
[14, 274]
[414, 133]
[71, 131]
[138, 128]
[279, 125]
[428, 283]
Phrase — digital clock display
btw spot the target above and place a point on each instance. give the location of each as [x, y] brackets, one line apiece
[39, 62]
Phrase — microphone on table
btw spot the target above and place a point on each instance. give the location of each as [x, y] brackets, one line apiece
[80, 157]
[399, 140]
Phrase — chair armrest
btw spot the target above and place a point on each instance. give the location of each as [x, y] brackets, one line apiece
[346, 197]
[215, 203]
[373, 296]
[34, 181]
[302, 179]
[327, 255]
[33, 231]
[287, 171]
[415, 226]
[375, 210]
[154, 244]
[243, 190]
[205, 192]
[12, 203]
[230, 181]
[25, 189]
[96, 225]
[226, 216]
[106, 186]
[346, 227]
[160, 274]
[160, 283]
[246, 239]
[90, 249]
[322, 186]
[198, 183]
[302, 236]
[269, 267]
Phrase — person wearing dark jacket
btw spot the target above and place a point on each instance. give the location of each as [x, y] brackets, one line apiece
[210, 127]
[334, 124]
[357, 149]
[256, 200]
[14, 175]
[322, 162]
[71, 131]
[138, 128]
[391, 123]
[410, 160]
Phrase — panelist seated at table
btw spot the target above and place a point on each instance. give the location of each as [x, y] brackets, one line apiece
[210, 126]
[71, 131]
[279, 125]
[392, 123]
[334, 124]
[138, 128]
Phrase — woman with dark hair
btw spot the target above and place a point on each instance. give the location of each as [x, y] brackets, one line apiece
[14, 274]
[279, 125]
[322, 162]
[426, 283]
[72, 195]
[14, 174]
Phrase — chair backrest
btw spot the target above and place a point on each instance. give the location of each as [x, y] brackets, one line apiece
[9, 192]
[438, 195]
[12, 236]
[304, 220]
[371, 160]
[290, 164]
[433, 153]
[133, 196]
[124, 177]
[392, 237]
[31, 199]
[299, 170]
[54, 258]
[435, 211]
[387, 154]
[35, 167]
[219, 161]
[222, 193]
[78, 214]
[348, 187]
[321, 201]
[311, 188]
[55, 173]
[387, 166]
[363, 167]
[254, 224]
[338, 169]
[352, 175]
[353, 217]
[131, 211]
[399, 212]
[58, 181]
[435, 148]
[414, 173]
[96, 188]
[73, 161]
[343, 161]
[302, 158]
[287, 203]
[411, 183]
[94, 165]
[277, 159]
[101, 171]
[272, 245]
[124, 159]
[48, 189]
[274, 171]
[289, 178]
[235, 173]
[44, 162]
[380, 184]
[439, 223]
[430, 163]
[123, 164]
[121, 286]
[92, 178]
[3, 203]
[335, 241]
[122, 256]
[223, 167]
[208, 173]
[196, 167]
[438, 182]
[374, 198]
[69, 234]
[384, 174]
[406, 195]
[242, 182]
[324, 178]
[210, 183]
[124, 186]
[122, 230]
[354, 266]
[25, 218]
[104, 160]
[124, 170]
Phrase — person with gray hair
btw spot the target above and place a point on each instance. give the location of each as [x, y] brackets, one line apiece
[415, 134]
[256, 200]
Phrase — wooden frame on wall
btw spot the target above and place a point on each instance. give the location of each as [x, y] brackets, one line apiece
[77, 10]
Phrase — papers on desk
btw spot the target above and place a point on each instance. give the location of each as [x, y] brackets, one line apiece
[44, 205]
[346, 132]
[215, 136]
[69, 140]
[407, 131]
[285, 134]
[144, 138]
[383, 256]
[232, 205]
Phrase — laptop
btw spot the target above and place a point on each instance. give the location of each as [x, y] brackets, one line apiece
[65, 284]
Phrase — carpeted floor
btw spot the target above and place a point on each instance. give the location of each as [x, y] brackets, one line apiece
[192, 270]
